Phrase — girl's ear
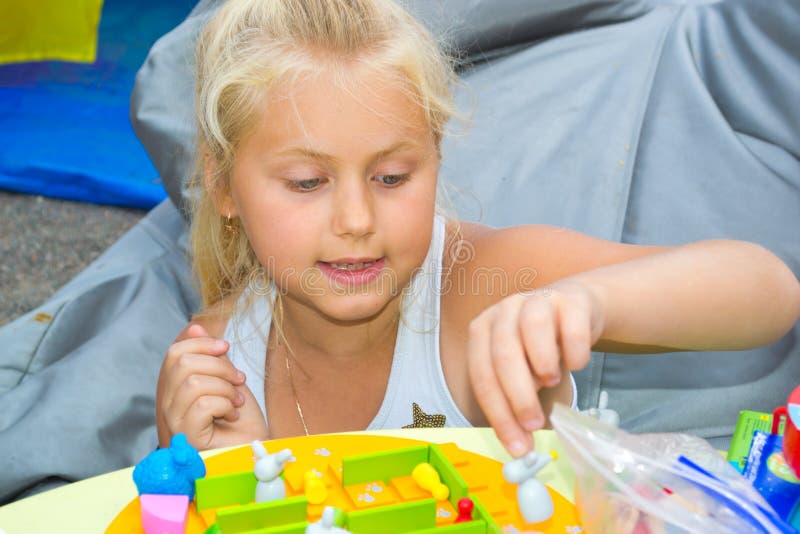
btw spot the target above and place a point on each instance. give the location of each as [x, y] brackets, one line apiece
[218, 193]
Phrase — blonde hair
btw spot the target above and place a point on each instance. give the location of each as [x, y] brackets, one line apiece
[246, 48]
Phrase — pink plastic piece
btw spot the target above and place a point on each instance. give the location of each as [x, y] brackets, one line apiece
[164, 514]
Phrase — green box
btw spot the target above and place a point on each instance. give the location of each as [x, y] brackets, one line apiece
[476, 526]
[747, 423]
[225, 490]
[384, 465]
[258, 516]
[294, 528]
[395, 519]
[449, 475]
[480, 512]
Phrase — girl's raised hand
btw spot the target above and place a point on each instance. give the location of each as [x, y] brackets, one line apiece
[524, 343]
[201, 394]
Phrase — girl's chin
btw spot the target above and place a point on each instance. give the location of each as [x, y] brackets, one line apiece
[354, 308]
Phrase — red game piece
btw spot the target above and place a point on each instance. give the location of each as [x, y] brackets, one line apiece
[791, 430]
[465, 506]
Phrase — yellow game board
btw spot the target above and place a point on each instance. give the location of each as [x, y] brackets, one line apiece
[326, 454]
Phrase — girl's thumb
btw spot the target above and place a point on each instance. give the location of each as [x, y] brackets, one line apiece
[196, 331]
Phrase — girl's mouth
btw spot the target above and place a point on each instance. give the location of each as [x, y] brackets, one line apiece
[352, 273]
[352, 266]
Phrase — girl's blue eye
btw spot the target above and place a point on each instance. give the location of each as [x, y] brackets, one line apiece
[305, 185]
[392, 179]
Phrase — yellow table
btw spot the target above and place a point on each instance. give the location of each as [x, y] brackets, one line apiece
[88, 506]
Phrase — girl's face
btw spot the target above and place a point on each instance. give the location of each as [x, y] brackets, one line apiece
[335, 187]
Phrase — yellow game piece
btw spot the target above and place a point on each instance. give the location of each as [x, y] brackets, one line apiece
[426, 476]
[314, 488]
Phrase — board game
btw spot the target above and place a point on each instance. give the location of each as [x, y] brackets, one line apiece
[369, 480]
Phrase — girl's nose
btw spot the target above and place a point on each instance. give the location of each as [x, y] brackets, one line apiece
[353, 210]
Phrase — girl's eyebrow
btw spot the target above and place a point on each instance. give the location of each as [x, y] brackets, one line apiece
[328, 158]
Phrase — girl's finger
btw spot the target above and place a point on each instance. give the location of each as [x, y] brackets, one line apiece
[537, 319]
[199, 419]
[488, 393]
[198, 386]
[201, 345]
[196, 330]
[199, 364]
[511, 366]
[575, 335]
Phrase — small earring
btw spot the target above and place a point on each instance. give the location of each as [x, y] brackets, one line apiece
[229, 227]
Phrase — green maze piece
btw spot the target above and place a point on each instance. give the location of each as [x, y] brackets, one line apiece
[225, 490]
[294, 528]
[480, 512]
[395, 519]
[449, 475]
[259, 516]
[340, 519]
[384, 465]
[476, 526]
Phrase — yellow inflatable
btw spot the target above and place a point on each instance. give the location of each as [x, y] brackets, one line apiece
[48, 30]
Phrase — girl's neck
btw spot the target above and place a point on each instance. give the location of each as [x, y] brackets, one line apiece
[315, 339]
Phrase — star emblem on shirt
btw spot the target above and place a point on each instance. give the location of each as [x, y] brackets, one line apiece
[423, 420]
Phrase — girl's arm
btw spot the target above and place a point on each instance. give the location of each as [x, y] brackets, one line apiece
[589, 293]
[709, 295]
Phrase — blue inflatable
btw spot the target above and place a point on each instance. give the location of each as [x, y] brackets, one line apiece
[65, 129]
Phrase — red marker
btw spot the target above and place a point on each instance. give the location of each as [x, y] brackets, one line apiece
[465, 506]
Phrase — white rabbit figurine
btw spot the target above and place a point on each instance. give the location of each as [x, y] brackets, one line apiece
[533, 499]
[268, 468]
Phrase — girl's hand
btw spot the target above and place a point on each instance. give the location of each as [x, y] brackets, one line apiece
[201, 394]
[522, 344]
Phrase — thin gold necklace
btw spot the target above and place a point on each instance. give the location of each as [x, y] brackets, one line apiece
[294, 393]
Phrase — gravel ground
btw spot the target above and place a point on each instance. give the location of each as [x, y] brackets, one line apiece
[45, 242]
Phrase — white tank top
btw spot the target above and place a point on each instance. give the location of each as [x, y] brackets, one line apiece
[417, 394]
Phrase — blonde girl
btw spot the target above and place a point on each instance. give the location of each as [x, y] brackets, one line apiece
[332, 280]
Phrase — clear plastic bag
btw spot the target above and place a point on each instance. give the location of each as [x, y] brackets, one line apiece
[656, 483]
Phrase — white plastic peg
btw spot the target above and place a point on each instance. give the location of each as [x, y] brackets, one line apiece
[268, 468]
[533, 499]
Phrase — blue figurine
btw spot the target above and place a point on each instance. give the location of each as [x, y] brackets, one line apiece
[170, 471]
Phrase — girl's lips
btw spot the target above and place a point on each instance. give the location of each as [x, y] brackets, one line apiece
[344, 277]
